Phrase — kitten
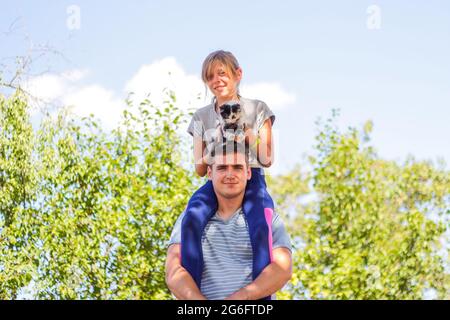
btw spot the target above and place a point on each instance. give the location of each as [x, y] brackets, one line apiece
[232, 126]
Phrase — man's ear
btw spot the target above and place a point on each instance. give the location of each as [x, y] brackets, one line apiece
[209, 172]
[249, 173]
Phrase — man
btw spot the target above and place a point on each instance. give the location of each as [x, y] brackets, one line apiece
[226, 245]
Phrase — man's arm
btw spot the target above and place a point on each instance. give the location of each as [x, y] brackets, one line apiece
[178, 280]
[270, 280]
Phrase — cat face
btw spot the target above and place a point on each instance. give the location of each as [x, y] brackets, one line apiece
[230, 112]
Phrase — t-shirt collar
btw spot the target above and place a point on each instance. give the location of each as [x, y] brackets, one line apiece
[236, 213]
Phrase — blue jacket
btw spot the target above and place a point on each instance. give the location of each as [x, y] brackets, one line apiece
[199, 211]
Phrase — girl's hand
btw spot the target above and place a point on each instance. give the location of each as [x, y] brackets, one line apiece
[239, 138]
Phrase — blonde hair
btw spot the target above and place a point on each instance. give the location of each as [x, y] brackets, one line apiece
[226, 58]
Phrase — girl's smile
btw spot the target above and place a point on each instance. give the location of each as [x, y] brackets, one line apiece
[223, 85]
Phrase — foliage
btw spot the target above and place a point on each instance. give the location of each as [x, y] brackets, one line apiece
[86, 214]
[18, 185]
[94, 210]
[374, 231]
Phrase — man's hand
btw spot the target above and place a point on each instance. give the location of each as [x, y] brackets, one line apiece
[242, 294]
[178, 280]
[271, 279]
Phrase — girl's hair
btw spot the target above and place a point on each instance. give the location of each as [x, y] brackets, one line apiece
[226, 58]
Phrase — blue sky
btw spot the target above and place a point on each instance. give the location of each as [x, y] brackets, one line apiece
[303, 58]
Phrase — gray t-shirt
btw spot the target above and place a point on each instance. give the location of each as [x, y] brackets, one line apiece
[206, 120]
[227, 252]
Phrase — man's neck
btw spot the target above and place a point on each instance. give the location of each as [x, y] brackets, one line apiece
[227, 207]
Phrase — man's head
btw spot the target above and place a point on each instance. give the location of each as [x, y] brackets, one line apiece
[229, 171]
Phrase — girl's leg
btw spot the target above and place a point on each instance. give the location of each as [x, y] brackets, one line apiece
[201, 207]
[258, 207]
[256, 193]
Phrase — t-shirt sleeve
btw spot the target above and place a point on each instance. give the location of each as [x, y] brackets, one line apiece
[263, 114]
[196, 126]
[280, 237]
[175, 237]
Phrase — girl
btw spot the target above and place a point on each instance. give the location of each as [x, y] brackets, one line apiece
[222, 74]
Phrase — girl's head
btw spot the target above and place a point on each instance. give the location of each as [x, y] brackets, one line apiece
[222, 74]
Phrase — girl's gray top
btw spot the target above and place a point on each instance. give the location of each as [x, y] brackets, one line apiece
[206, 120]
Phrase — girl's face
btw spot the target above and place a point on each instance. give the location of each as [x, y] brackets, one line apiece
[222, 84]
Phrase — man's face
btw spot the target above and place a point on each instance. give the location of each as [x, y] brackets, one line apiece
[229, 175]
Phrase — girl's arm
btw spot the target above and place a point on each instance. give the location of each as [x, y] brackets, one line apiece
[200, 160]
[264, 146]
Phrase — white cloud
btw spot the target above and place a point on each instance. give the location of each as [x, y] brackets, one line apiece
[52, 88]
[96, 100]
[190, 90]
[67, 89]
[167, 74]
[48, 87]
[75, 75]
[271, 93]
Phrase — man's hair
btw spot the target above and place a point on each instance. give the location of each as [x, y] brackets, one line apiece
[230, 147]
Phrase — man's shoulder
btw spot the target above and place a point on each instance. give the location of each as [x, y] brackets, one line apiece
[179, 220]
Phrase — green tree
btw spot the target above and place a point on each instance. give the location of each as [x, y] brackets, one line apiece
[86, 214]
[18, 185]
[373, 232]
[102, 207]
